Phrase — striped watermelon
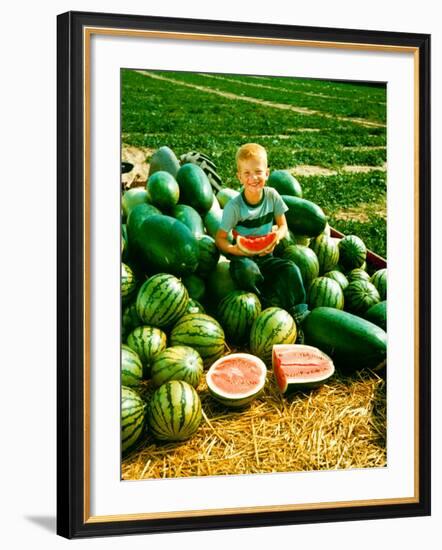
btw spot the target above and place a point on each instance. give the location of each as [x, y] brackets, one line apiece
[147, 342]
[325, 292]
[360, 296]
[358, 274]
[272, 326]
[131, 367]
[208, 256]
[177, 363]
[128, 283]
[339, 277]
[193, 306]
[161, 300]
[236, 313]
[379, 279]
[305, 259]
[202, 333]
[352, 252]
[174, 412]
[133, 415]
[327, 251]
[130, 319]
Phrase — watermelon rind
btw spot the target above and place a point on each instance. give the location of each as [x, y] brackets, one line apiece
[287, 384]
[174, 412]
[239, 399]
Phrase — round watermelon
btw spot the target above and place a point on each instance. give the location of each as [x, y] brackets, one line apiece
[235, 380]
[131, 367]
[133, 414]
[161, 300]
[147, 342]
[325, 292]
[379, 279]
[272, 326]
[327, 252]
[236, 313]
[360, 295]
[358, 274]
[202, 333]
[177, 363]
[339, 277]
[307, 261]
[129, 283]
[174, 412]
[352, 252]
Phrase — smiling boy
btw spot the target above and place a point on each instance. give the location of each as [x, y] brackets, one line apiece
[254, 212]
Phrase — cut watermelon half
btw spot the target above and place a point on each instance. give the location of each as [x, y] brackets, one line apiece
[255, 244]
[299, 367]
[236, 379]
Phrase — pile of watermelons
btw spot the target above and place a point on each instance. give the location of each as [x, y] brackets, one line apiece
[182, 311]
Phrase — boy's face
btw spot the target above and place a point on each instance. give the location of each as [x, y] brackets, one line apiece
[253, 173]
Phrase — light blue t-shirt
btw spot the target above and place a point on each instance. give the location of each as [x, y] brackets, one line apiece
[253, 219]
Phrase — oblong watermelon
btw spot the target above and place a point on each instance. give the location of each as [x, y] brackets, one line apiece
[189, 217]
[284, 183]
[300, 367]
[164, 159]
[304, 217]
[235, 380]
[377, 314]
[195, 188]
[162, 244]
[163, 190]
[174, 412]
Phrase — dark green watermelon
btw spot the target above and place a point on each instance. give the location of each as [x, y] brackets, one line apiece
[163, 244]
[195, 188]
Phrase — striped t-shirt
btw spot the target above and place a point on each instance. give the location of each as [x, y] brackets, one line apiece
[253, 219]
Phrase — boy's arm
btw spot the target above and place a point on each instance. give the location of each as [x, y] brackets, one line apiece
[223, 244]
[282, 229]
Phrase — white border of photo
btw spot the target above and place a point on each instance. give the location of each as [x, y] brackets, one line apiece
[110, 495]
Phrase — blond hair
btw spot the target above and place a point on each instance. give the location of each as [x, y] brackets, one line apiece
[251, 150]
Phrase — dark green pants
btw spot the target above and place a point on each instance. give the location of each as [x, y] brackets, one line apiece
[281, 282]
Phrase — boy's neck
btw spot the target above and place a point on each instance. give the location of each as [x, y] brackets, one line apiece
[253, 198]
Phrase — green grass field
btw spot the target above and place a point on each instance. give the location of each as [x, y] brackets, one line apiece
[331, 135]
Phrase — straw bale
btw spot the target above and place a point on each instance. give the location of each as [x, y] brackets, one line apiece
[341, 424]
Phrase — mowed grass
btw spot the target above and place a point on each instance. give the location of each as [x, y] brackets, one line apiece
[332, 125]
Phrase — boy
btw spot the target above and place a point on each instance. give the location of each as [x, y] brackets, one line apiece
[253, 212]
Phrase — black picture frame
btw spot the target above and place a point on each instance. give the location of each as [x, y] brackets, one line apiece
[72, 390]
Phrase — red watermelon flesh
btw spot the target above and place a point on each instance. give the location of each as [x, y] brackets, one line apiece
[255, 244]
[296, 366]
[236, 379]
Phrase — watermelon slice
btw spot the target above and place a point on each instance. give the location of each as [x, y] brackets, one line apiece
[236, 379]
[299, 367]
[255, 244]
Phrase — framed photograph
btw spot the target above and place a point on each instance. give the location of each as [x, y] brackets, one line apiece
[234, 201]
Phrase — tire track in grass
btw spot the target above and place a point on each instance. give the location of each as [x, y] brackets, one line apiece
[283, 106]
[275, 88]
